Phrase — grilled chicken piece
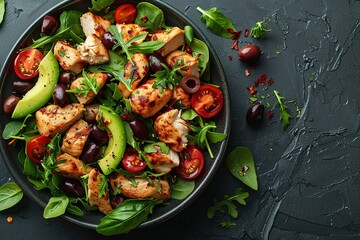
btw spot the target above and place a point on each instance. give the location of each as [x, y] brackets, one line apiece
[68, 57]
[53, 119]
[93, 51]
[143, 189]
[181, 97]
[71, 167]
[129, 31]
[189, 62]
[93, 24]
[173, 39]
[172, 130]
[78, 84]
[76, 137]
[94, 185]
[162, 162]
[146, 101]
[137, 72]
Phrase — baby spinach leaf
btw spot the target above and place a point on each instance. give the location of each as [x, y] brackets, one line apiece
[100, 5]
[12, 129]
[127, 216]
[117, 61]
[217, 22]
[150, 16]
[239, 196]
[189, 35]
[201, 51]
[240, 163]
[2, 10]
[10, 194]
[75, 210]
[181, 189]
[56, 207]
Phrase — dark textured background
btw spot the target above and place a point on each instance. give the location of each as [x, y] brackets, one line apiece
[308, 174]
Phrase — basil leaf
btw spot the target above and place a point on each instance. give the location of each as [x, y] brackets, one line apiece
[75, 210]
[201, 50]
[100, 5]
[240, 163]
[10, 194]
[146, 47]
[2, 10]
[56, 207]
[127, 216]
[181, 189]
[189, 35]
[217, 22]
[189, 114]
[150, 16]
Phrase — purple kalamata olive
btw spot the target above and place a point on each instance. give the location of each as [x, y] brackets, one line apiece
[155, 61]
[66, 77]
[72, 187]
[22, 87]
[99, 136]
[108, 40]
[10, 103]
[49, 25]
[60, 95]
[190, 83]
[90, 152]
[139, 129]
[91, 111]
[254, 113]
[249, 54]
[116, 200]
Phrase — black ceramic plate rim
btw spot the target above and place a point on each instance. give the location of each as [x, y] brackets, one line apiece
[31, 193]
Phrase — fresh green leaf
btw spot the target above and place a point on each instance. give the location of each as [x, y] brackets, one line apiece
[154, 147]
[103, 186]
[215, 137]
[100, 5]
[189, 35]
[181, 189]
[89, 84]
[240, 163]
[146, 47]
[117, 62]
[239, 196]
[150, 16]
[75, 210]
[259, 30]
[127, 216]
[10, 194]
[169, 78]
[56, 207]
[217, 22]
[13, 129]
[227, 224]
[189, 115]
[201, 51]
[2, 10]
[284, 110]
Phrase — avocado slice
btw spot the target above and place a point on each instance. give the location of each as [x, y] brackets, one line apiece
[117, 142]
[41, 93]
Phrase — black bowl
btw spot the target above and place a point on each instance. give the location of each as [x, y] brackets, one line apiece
[91, 219]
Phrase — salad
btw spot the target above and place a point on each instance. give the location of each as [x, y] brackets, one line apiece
[113, 110]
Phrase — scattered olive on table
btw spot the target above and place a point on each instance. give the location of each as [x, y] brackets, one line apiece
[66, 77]
[60, 95]
[155, 61]
[23, 87]
[49, 25]
[254, 113]
[90, 152]
[100, 137]
[139, 129]
[108, 40]
[72, 187]
[190, 83]
[249, 53]
[10, 103]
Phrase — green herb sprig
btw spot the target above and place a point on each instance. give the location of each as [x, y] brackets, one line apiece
[89, 85]
[259, 30]
[284, 110]
[169, 78]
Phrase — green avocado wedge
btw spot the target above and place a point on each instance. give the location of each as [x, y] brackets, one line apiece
[117, 141]
[41, 93]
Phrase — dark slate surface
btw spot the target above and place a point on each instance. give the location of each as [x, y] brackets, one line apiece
[308, 174]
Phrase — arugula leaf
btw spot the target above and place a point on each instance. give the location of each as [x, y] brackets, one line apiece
[56, 207]
[259, 30]
[127, 216]
[89, 84]
[227, 224]
[103, 186]
[10, 194]
[217, 22]
[181, 189]
[100, 5]
[2, 10]
[146, 47]
[284, 111]
[117, 62]
[169, 78]
[240, 163]
[239, 196]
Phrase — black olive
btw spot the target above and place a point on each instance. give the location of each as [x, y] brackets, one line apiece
[155, 61]
[190, 83]
[90, 152]
[10, 104]
[139, 129]
[72, 187]
[99, 136]
[49, 25]
[22, 87]
[66, 77]
[108, 40]
[60, 95]
[254, 113]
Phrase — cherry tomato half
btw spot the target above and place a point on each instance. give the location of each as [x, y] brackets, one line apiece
[191, 163]
[27, 62]
[125, 13]
[131, 161]
[36, 148]
[207, 101]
